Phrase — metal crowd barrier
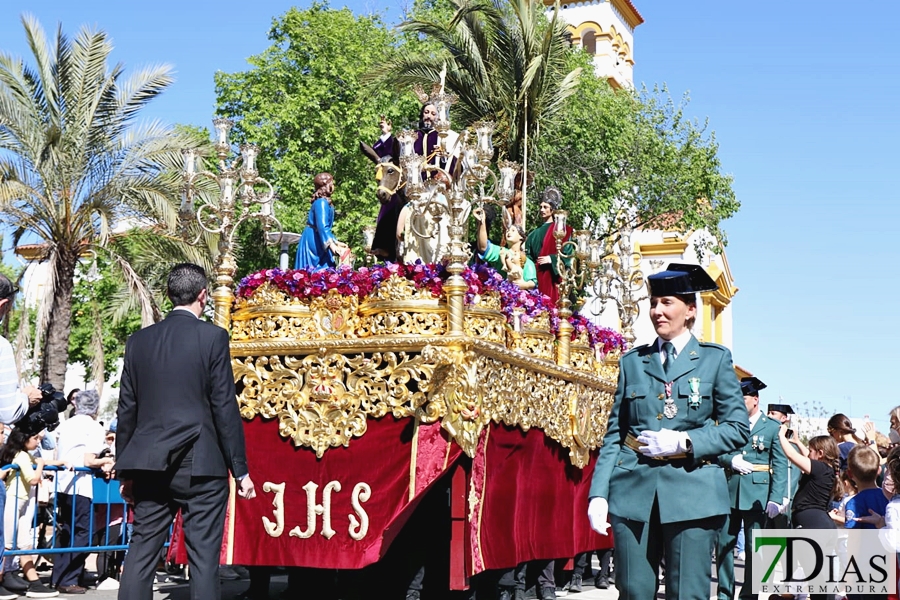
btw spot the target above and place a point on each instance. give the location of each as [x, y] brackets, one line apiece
[107, 506]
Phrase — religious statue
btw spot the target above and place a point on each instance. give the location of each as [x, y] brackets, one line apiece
[510, 261]
[385, 153]
[318, 247]
[540, 245]
[424, 235]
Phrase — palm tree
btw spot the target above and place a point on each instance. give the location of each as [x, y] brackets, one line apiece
[505, 62]
[75, 165]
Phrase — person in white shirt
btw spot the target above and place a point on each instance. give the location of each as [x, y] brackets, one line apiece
[15, 398]
[79, 441]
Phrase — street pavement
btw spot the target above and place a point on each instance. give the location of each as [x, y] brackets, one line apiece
[231, 590]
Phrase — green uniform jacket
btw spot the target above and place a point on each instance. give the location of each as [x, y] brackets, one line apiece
[753, 490]
[689, 488]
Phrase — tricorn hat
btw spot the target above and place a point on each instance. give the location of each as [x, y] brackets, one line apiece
[784, 409]
[750, 386]
[680, 279]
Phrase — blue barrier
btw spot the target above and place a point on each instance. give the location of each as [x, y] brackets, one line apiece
[106, 501]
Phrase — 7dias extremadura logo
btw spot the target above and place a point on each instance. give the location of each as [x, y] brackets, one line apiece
[820, 561]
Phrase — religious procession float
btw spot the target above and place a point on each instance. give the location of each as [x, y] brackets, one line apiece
[365, 388]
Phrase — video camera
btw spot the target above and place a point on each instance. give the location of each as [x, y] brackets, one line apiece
[44, 414]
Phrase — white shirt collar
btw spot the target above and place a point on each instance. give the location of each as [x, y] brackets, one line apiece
[678, 342]
[755, 418]
[187, 310]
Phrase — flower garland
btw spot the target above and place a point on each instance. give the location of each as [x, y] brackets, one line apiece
[480, 279]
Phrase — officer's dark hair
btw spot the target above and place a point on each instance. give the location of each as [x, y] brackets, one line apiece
[186, 281]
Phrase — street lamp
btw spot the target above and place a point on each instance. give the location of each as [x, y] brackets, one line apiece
[620, 278]
[243, 195]
[576, 262]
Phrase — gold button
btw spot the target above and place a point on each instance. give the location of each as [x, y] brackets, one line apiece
[659, 416]
[662, 397]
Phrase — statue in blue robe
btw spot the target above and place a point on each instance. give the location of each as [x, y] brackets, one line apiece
[317, 246]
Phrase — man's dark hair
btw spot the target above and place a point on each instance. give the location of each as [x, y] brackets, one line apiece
[186, 280]
[7, 289]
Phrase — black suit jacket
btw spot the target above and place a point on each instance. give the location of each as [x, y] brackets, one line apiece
[177, 392]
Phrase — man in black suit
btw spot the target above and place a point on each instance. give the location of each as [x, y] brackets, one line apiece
[179, 435]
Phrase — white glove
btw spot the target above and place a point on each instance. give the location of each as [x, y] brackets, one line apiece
[773, 509]
[598, 509]
[664, 442]
[741, 465]
[785, 505]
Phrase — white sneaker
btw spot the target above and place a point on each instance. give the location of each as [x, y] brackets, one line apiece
[108, 584]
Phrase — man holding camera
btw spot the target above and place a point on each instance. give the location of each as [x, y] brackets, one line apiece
[15, 399]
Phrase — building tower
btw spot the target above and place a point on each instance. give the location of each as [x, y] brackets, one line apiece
[605, 30]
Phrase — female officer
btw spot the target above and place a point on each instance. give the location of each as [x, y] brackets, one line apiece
[678, 406]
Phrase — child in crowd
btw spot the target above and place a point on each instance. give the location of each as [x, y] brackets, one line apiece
[21, 494]
[838, 515]
[864, 464]
[889, 520]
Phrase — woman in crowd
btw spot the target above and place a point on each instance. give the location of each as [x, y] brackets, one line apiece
[844, 433]
[894, 433]
[820, 482]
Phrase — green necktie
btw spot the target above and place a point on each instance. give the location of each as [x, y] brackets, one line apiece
[669, 349]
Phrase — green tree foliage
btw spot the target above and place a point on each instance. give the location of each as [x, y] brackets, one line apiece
[612, 149]
[97, 340]
[75, 163]
[303, 102]
[505, 61]
[309, 99]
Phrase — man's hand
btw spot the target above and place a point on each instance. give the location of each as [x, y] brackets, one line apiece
[598, 510]
[34, 394]
[664, 442]
[773, 509]
[478, 215]
[246, 489]
[741, 465]
[543, 260]
[125, 490]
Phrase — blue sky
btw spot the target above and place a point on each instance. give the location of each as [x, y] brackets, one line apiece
[802, 96]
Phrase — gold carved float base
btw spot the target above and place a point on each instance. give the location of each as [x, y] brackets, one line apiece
[322, 392]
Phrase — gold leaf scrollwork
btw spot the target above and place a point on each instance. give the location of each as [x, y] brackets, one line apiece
[321, 367]
[454, 387]
[322, 401]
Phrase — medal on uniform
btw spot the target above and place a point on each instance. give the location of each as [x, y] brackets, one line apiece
[694, 398]
[670, 410]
